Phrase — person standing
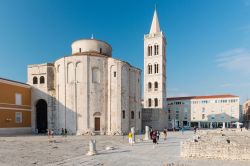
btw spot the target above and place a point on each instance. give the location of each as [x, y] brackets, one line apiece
[130, 138]
[157, 135]
[195, 129]
[165, 134]
[182, 130]
[49, 133]
[66, 132]
[62, 132]
[154, 137]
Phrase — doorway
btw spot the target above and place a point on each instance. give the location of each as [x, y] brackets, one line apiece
[97, 123]
[41, 116]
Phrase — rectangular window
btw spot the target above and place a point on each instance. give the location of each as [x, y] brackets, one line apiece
[114, 74]
[19, 117]
[18, 99]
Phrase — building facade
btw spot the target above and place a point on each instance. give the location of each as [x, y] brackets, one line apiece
[154, 109]
[86, 92]
[246, 112]
[203, 111]
[15, 107]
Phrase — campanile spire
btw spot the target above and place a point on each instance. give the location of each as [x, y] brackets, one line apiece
[155, 26]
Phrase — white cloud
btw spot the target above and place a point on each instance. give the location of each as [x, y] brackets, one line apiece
[235, 60]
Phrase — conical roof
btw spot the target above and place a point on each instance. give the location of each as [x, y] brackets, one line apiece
[155, 26]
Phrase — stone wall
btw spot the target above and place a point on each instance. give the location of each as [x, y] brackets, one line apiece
[227, 145]
[155, 118]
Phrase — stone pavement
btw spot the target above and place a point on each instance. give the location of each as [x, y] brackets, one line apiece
[36, 150]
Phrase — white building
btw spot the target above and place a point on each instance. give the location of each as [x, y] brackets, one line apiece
[203, 111]
[154, 111]
[86, 92]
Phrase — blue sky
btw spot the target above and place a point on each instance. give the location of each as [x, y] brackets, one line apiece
[208, 48]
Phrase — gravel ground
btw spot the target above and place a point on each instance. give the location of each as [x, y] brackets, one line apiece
[37, 150]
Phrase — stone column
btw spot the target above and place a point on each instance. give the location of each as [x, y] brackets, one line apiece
[211, 125]
[223, 126]
[199, 124]
[133, 132]
[146, 137]
[92, 148]
[237, 125]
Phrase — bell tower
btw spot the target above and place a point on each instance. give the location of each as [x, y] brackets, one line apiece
[155, 66]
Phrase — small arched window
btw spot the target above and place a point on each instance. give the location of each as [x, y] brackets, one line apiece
[156, 49]
[42, 80]
[156, 86]
[95, 75]
[150, 50]
[35, 80]
[156, 68]
[156, 102]
[150, 69]
[149, 86]
[123, 114]
[132, 114]
[149, 102]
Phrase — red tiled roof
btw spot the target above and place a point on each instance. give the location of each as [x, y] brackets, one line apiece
[201, 97]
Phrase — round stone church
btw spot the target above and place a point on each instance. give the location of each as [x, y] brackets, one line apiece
[86, 92]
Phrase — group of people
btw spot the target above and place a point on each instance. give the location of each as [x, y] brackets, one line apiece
[155, 136]
[64, 132]
[50, 133]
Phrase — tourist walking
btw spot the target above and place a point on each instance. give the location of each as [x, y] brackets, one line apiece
[49, 133]
[52, 133]
[65, 132]
[154, 137]
[62, 132]
[130, 138]
[195, 129]
[165, 134]
[157, 135]
[182, 130]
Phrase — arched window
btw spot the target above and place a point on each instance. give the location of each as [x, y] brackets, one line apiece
[79, 75]
[156, 49]
[132, 114]
[156, 67]
[156, 102]
[149, 86]
[150, 51]
[149, 102]
[156, 86]
[35, 81]
[150, 69]
[123, 114]
[95, 75]
[42, 80]
[70, 72]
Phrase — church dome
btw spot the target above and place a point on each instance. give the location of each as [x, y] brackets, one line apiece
[91, 46]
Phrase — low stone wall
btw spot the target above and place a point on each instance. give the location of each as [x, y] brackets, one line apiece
[228, 145]
[15, 131]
